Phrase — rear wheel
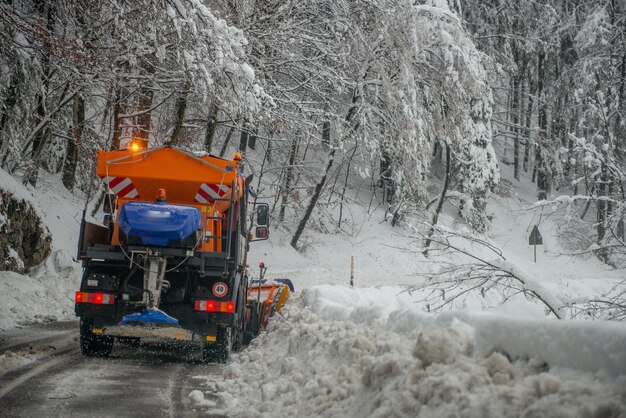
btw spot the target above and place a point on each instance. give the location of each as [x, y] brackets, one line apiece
[91, 344]
[218, 351]
[252, 327]
[241, 323]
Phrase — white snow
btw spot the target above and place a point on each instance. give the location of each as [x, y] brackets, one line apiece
[16, 257]
[306, 365]
[584, 345]
[47, 292]
[197, 399]
[374, 350]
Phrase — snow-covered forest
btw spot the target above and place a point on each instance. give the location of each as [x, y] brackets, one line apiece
[426, 137]
[413, 97]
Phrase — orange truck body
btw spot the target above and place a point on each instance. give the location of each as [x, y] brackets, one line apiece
[182, 175]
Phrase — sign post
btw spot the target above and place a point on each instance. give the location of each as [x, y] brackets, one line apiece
[352, 271]
[535, 239]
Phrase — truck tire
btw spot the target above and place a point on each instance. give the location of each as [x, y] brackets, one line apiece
[218, 351]
[252, 327]
[240, 329]
[93, 345]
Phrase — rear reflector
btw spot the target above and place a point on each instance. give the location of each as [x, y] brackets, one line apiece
[214, 306]
[95, 298]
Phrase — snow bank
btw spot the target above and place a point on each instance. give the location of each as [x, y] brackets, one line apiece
[515, 329]
[46, 293]
[306, 366]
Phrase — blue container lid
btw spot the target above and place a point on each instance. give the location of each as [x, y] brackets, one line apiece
[158, 223]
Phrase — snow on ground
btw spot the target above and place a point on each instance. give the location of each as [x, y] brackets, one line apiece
[47, 292]
[388, 255]
[370, 358]
[375, 351]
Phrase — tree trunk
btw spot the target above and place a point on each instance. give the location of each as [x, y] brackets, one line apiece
[71, 152]
[117, 128]
[329, 163]
[326, 133]
[9, 104]
[286, 190]
[345, 186]
[601, 212]
[442, 198]
[30, 176]
[48, 11]
[620, 139]
[515, 129]
[141, 129]
[316, 195]
[254, 132]
[181, 108]
[244, 138]
[529, 118]
[211, 127]
[226, 142]
[540, 164]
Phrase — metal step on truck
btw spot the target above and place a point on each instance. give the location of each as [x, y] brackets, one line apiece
[169, 261]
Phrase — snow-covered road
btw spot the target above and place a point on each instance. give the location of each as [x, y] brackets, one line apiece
[42, 373]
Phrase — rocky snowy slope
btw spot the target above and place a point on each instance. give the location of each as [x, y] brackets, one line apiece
[46, 293]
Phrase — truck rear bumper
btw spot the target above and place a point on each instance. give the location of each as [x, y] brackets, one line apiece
[157, 333]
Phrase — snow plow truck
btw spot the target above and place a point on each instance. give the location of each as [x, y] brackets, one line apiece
[169, 263]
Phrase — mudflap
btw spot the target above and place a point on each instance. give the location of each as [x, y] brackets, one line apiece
[217, 348]
[92, 341]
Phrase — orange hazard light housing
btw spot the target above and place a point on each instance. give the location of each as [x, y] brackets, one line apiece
[137, 145]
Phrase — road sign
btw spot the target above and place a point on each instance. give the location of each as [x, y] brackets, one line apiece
[535, 237]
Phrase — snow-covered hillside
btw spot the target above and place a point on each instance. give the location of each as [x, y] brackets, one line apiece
[46, 293]
[392, 256]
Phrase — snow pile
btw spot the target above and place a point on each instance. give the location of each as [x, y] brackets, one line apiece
[196, 398]
[10, 360]
[46, 293]
[305, 366]
[517, 328]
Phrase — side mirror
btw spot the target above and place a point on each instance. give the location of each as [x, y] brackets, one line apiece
[262, 214]
[261, 233]
[108, 206]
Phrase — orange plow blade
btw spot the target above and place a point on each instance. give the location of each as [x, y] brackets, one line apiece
[263, 302]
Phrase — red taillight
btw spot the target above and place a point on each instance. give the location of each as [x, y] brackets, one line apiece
[214, 306]
[95, 298]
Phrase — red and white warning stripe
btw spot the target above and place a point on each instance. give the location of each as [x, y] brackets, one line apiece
[122, 187]
[208, 192]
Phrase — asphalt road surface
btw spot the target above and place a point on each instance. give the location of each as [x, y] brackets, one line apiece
[45, 375]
